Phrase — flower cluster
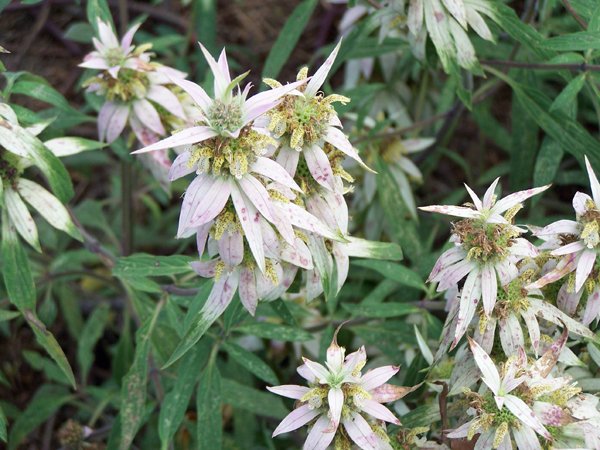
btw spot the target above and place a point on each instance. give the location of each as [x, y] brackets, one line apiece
[341, 404]
[267, 197]
[575, 245]
[486, 250]
[137, 91]
[526, 402]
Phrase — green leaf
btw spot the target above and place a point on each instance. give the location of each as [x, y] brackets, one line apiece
[19, 141]
[249, 399]
[381, 310]
[402, 227]
[67, 146]
[47, 340]
[98, 10]
[176, 401]
[8, 315]
[3, 423]
[47, 400]
[580, 41]
[569, 94]
[362, 248]
[92, 331]
[208, 406]
[274, 331]
[15, 268]
[288, 38]
[571, 135]
[523, 33]
[547, 163]
[80, 32]
[393, 271]
[144, 265]
[251, 362]
[133, 391]
[523, 149]
[41, 91]
[195, 324]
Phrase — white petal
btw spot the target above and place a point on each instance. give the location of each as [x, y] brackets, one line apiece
[319, 166]
[288, 159]
[378, 411]
[360, 432]
[212, 204]
[376, 377]
[580, 201]
[257, 194]
[289, 390]
[585, 264]
[489, 372]
[220, 296]
[165, 98]
[248, 291]
[302, 219]
[320, 372]
[147, 114]
[560, 226]
[195, 91]
[335, 398]
[181, 167]
[457, 211]
[514, 199]
[533, 328]
[488, 197]
[453, 274]
[321, 74]
[489, 288]
[270, 169]
[205, 269]
[526, 439]
[511, 335]
[593, 182]
[525, 415]
[297, 418]
[249, 218]
[320, 436]
[339, 140]
[191, 135]
[231, 248]
[447, 258]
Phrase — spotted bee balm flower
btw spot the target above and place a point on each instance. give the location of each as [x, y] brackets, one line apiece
[308, 127]
[138, 92]
[486, 250]
[578, 243]
[340, 404]
[524, 402]
[240, 196]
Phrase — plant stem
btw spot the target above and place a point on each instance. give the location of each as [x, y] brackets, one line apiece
[126, 207]
[576, 16]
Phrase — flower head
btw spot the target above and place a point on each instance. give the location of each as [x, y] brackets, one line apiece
[340, 396]
[112, 56]
[580, 244]
[308, 127]
[486, 249]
